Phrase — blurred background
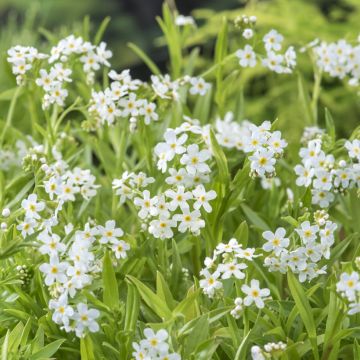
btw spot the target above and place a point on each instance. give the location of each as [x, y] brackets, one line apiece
[33, 22]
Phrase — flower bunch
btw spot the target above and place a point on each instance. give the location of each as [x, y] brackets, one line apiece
[22, 59]
[262, 145]
[228, 261]
[62, 58]
[338, 59]
[72, 266]
[325, 175]
[274, 60]
[179, 205]
[316, 240]
[154, 346]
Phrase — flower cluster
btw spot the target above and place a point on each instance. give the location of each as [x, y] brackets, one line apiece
[179, 205]
[349, 288]
[155, 346]
[228, 261]
[61, 58]
[315, 242]
[246, 24]
[61, 185]
[274, 60]
[73, 267]
[269, 351]
[338, 59]
[22, 59]
[324, 174]
[261, 144]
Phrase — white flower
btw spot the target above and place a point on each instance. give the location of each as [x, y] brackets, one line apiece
[232, 269]
[120, 248]
[262, 162]
[148, 111]
[323, 180]
[178, 177]
[210, 284]
[189, 221]
[256, 353]
[32, 207]
[254, 294]
[179, 198]
[246, 56]
[78, 275]
[305, 175]
[109, 233]
[276, 241]
[130, 106]
[307, 232]
[147, 205]
[353, 148]
[199, 86]
[272, 40]
[85, 319]
[54, 271]
[161, 228]
[155, 341]
[322, 198]
[63, 312]
[194, 160]
[46, 81]
[274, 62]
[248, 33]
[27, 227]
[203, 197]
[52, 244]
[349, 284]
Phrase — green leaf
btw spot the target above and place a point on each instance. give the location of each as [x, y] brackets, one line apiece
[87, 348]
[48, 351]
[5, 345]
[149, 63]
[7, 95]
[330, 126]
[100, 33]
[154, 301]
[242, 233]
[111, 291]
[132, 307]
[305, 101]
[305, 311]
[254, 217]
[163, 291]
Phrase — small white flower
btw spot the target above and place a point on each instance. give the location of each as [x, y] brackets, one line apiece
[109, 233]
[32, 207]
[254, 294]
[195, 160]
[276, 241]
[246, 56]
[120, 248]
[203, 197]
[54, 271]
[273, 40]
[85, 319]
